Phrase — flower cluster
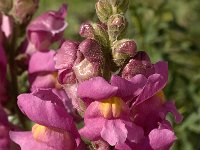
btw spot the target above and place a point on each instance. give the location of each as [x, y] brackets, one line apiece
[100, 93]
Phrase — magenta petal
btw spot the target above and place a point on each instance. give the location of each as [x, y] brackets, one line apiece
[41, 62]
[4, 137]
[155, 82]
[135, 133]
[66, 77]
[128, 88]
[114, 132]
[66, 55]
[46, 81]
[96, 88]
[139, 81]
[45, 111]
[94, 122]
[161, 139]
[170, 107]
[26, 141]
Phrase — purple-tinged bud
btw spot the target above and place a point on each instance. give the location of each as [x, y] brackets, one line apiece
[86, 30]
[23, 9]
[140, 64]
[90, 66]
[117, 25]
[103, 10]
[5, 6]
[95, 31]
[91, 51]
[122, 50]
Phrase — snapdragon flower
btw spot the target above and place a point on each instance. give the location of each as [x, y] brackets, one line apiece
[54, 127]
[129, 114]
[47, 28]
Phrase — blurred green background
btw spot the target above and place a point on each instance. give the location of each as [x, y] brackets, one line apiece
[168, 30]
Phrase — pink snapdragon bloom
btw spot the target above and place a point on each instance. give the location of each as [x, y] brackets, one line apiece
[3, 81]
[43, 75]
[54, 128]
[141, 128]
[47, 28]
[149, 111]
[107, 114]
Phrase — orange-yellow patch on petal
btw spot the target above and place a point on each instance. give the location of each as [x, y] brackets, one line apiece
[161, 95]
[111, 107]
[38, 131]
[57, 84]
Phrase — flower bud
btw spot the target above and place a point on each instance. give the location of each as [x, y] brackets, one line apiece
[95, 31]
[117, 26]
[120, 6]
[125, 46]
[101, 34]
[140, 64]
[91, 51]
[23, 9]
[103, 10]
[122, 50]
[86, 30]
[5, 6]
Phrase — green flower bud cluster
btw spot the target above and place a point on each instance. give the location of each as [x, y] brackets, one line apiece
[111, 12]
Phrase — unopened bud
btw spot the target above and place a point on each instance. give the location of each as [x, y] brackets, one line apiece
[86, 30]
[122, 50]
[95, 31]
[103, 10]
[100, 34]
[119, 6]
[5, 6]
[140, 64]
[117, 25]
[91, 51]
[23, 9]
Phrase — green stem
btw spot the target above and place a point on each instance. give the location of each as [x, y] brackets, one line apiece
[11, 49]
